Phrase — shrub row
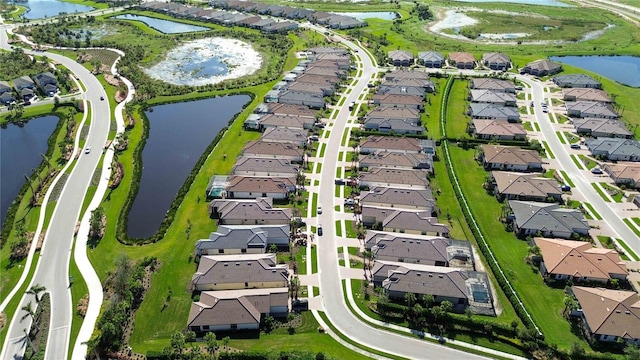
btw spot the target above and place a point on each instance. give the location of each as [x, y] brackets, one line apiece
[251, 355]
[123, 218]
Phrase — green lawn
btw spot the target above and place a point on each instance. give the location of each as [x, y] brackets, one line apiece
[600, 192]
[431, 115]
[338, 228]
[457, 118]
[537, 126]
[592, 210]
[547, 149]
[544, 303]
[587, 161]
[616, 194]
[351, 232]
[527, 126]
[576, 161]
[567, 178]
[628, 250]
[559, 134]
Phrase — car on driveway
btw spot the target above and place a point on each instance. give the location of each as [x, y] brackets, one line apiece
[596, 170]
[575, 146]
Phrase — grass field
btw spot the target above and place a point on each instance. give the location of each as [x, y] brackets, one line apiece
[457, 118]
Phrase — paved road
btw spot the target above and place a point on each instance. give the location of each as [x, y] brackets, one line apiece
[53, 268]
[581, 178]
[328, 269]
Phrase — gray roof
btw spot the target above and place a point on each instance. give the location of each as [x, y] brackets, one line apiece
[22, 82]
[392, 143]
[397, 125]
[4, 87]
[422, 247]
[607, 126]
[492, 84]
[386, 112]
[246, 164]
[301, 96]
[396, 176]
[422, 279]
[400, 198]
[492, 111]
[406, 74]
[264, 148]
[431, 56]
[232, 269]
[234, 239]
[416, 221]
[284, 134]
[614, 146]
[591, 109]
[576, 80]
[402, 90]
[496, 58]
[400, 55]
[396, 160]
[546, 216]
[544, 65]
[247, 210]
[490, 96]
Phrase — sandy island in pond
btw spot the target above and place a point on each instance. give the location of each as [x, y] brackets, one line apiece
[207, 61]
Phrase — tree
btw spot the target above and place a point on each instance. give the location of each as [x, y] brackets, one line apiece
[632, 352]
[212, 343]
[95, 222]
[190, 337]
[35, 290]
[30, 312]
[410, 299]
[273, 248]
[428, 300]
[225, 342]
[177, 343]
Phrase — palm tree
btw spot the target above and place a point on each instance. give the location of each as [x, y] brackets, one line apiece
[35, 290]
[212, 343]
[225, 342]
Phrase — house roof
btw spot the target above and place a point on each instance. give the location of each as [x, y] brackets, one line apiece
[496, 58]
[290, 109]
[402, 90]
[399, 198]
[493, 111]
[317, 79]
[606, 126]
[406, 74]
[395, 159]
[234, 239]
[490, 96]
[290, 121]
[395, 176]
[510, 183]
[4, 86]
[387, 112]
[230, 269]
[391, 142]
[409, 82]
[610, 312]
[274, 166]
[586, 94]
[498, 128]
[258, 147]
[400, 55]
[23, 81]
[258, 209]
[324, 71]
[576, 80]
[410, 220]
[510, 155]
[396, 99]
[591, 109]
[462, 57]
[308, 87]
[580, 259]
[270, 185]
[301, 96]
[423, 247]
[547, 216]
[328, 50]
[280, 134]
[623, 171]
[430, 56]
[614, 146]
[544, 65]
[398, 125]
[492, 84]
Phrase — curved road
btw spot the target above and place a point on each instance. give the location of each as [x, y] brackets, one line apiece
[53, 268]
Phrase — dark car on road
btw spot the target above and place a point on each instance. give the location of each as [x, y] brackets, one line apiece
[319, 230]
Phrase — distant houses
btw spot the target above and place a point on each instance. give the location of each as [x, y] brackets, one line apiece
[462, 60]
[542, 67]
[576, 81]
[496, 61]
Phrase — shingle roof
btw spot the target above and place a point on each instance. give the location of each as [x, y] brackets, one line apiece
[533, 185]
[396, 159]
[432, 56]
[231, 269]
[387, 112]
[284, 134]
[418, 221]
[610, 312]
[427, 248]
[546, 216]
[591, 109]
[400, 55]
[510, 155]
[258, 209]
[271, 148]
[576, 80]
[492, 84]
[606, 126]
[544, 65]
[400, 198]
[580, 259]
[396, 176]
[490, 96]
[614, 146]
[498, 128]
[277, 185]
[259, 165]
[496, 57]
[391, 142]
[586, 94]
[493, 111]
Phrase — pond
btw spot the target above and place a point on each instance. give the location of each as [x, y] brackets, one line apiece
[384, 15]
[527, 2]
[207, 61]
[164, 26]
[623, 69]
[39, 9]
[20, 151]
[178, 135]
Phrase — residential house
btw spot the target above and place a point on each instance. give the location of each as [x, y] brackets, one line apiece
[234, 310]
[318, 79]
[585, 94]
[462, 60]
[431, 59]
[280, 27]
[576, 81]
[236, 272]
[388, 197]
[6, 95]
[547, 219]
[496, 61]
[285, 109]
[518, 186]
[401, 101]
[285, 135]
[24, 87]
[542, 67]
[492, 111]
[579, 261]
[250, 166]
[395, 160]
[242, 239]
[591, 109]
[497, 85]
[285, 121]
[624, 174]
[243, 187]
[396, 126]
[372, 144]
[398, 178]
[406, 74]
[403, 221]
[263, 23]
[497, 130]
[385, 112]
[496, 157]
[401, 58]
[401, 90]
[292, 97]
[492, 97]
[326, 71]
[602, 128]
[614, 149]
[337, 50]
[311, 88]
[273, 150]
[609, 315]
[462, 288]
[425, 84]
[248, 212]
[420, 249]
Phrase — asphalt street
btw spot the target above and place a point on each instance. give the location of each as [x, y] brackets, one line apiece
[53, 267]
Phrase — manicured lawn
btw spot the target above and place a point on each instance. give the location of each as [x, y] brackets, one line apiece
[457, 118]
[576, 161]
[592, 210]
[351, 232]
[588, 162]
[628, 250]
[615, 193]
[537, 126]
[338, 228]
[431, 115]
[559, 134]
[547, 151]
[527, 126]
[567, 178]
[600, 192]
[544, 303]
[631, 226]
[571, 137]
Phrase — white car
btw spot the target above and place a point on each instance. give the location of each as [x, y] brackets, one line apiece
[87, 150]
[319, 209]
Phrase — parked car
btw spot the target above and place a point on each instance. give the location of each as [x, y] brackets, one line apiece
[596, 170]
[340, 181]
[575, 146]
[87, 150]
[319, 230]
[565, 187]
[319, 209]
[349, 201]
[313, 138]
[518, 87]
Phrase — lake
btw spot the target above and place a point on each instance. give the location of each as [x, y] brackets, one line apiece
[178, 135]
[384, 15]
[623, 69]
[164, 26]
[39, 9]
[20, 149]
[527, 2]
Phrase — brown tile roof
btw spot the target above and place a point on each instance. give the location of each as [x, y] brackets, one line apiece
[409, 220]
[509, 183]
[391, 142]
[510, 155]
[271, 148]
[610, 312]
[233, 269]
[396, 176]
[580, 259]
[260, 184]
[492, 84]
[277, 120]
[245, 164]
[318, 79]
[585, 94]
[498, 128]
[461, 57]
[624, 171]
[394, 99]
